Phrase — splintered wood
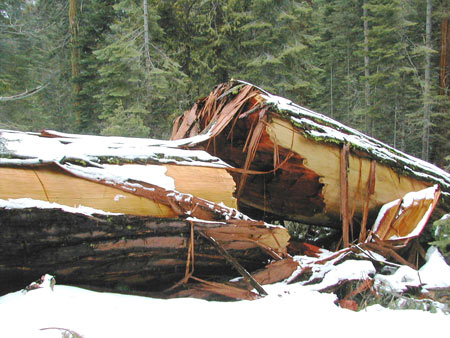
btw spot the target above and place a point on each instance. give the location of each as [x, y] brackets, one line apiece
[287, 160]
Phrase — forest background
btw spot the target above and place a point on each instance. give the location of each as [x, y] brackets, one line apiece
[129, 67]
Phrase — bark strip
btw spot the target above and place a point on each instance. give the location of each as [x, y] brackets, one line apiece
[370, 191]
[344, 194]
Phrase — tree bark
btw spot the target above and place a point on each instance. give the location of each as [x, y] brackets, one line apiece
[146, 38]
[75, 57]
[140, 253]
[368, 121]
[426, 94]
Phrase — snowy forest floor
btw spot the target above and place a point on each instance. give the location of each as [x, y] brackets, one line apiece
[289, 309]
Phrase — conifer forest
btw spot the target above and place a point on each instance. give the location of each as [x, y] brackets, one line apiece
[130, 67]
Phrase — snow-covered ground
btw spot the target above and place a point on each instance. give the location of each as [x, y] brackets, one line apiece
[289, 311]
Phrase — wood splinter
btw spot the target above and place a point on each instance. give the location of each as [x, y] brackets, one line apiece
[247, 277]
[344, 194]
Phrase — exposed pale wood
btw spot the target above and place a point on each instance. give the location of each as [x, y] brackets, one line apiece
[324, 160]
[53, 185]
[212, 184]
[386, 221]
[406, 222]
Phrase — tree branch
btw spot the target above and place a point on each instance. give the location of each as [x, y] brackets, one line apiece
[24, 94]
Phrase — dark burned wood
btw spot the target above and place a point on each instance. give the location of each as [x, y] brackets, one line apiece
[139, 253]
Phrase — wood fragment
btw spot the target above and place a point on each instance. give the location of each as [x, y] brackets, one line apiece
[247, 277]
[344, 194]
[226, 290]
[370, 190]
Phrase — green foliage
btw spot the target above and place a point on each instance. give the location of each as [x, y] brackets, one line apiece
[312, 53]
[441, 232]
[125, 123]
[30, 56]
[128, 90]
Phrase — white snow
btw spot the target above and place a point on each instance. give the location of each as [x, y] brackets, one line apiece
[289, 311]
[21, 203]
[89, 148]
[118, 197]
[153, 174]
[348, 270]
[434, 274]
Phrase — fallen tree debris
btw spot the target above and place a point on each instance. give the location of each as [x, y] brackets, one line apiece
[135, 252]
[286, 160]
[185, 217]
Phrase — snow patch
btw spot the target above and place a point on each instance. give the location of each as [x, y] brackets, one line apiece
[22, 203]
[435, 273]
[118, 197]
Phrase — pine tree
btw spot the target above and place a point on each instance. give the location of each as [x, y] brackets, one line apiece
[339, 51]
[277, 42]
[33, 55]
[136, 88]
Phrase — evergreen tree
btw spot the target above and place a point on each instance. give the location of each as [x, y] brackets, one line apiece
[277, 45]
[138, 92]
[339, 51]
[32, 55]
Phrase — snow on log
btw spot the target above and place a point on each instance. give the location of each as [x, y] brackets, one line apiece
[103, 211]
[103, 172]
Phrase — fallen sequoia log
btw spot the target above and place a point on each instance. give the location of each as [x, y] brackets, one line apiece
[290, 163]
[104, 172]
[164, 217]
[124, 251]
[170, 212]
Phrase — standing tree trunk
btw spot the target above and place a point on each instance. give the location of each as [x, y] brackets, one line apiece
[331, 91]
[148, 61]
[441, 147]
[426, 94]
[445, 45]
[75, 57]
[368, 121]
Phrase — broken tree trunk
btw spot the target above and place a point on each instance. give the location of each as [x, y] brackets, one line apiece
[103, 173]
[289, 169]
[150, 201]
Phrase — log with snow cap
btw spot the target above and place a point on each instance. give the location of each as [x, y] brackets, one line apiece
[106, 210]
[291, 163]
